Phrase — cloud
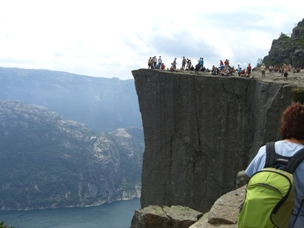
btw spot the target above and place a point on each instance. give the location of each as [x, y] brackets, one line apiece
[111, 38]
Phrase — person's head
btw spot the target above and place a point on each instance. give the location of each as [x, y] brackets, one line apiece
[292, 122]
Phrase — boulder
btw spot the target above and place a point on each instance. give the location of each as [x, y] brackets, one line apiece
[165, 217]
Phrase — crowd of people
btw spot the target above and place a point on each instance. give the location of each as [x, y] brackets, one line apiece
[224, 68]
[284, 69]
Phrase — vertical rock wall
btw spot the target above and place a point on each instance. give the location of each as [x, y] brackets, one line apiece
[200, 130]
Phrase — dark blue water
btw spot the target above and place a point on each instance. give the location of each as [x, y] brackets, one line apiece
[113, 215]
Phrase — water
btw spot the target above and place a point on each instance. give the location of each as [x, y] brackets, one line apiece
[113, 215]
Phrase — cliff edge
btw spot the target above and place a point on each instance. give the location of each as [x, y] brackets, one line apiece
[200, 130]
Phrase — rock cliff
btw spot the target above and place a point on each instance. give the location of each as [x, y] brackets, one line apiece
[200, 130]
[289, 50]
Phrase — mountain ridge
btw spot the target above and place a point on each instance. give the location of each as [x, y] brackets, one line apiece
[103, 104]
[49, 161]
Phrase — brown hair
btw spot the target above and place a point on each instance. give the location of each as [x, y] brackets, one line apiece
[292, 122]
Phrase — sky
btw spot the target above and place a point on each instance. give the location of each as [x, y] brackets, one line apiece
[111, 38]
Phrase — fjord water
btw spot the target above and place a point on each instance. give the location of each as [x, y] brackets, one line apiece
[113, 215]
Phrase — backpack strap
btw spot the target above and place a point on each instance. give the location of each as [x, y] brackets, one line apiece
[296, 159]
[270, 154]
[272, 157]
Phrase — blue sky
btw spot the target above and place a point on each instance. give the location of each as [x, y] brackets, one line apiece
[111, 38]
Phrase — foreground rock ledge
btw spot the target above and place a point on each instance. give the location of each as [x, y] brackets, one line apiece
[223, 214]
[165, 217]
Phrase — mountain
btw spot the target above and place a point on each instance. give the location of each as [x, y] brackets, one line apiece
[48, 161]
[289, 50]
[102, 104]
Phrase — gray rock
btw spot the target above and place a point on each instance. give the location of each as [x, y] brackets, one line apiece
[165, 217]
[287, 49]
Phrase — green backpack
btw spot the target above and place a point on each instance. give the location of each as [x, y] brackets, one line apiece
[270, 192]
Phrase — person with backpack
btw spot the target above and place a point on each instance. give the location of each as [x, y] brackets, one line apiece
[277, 165]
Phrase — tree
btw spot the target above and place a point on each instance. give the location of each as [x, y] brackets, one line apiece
[259, 62]
[2, 225]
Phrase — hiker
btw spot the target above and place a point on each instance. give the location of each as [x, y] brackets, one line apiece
[221, 65]
[197, 66]
[154, 62]
[226, 62]
[174, 64]
[248, 70]
[184, 63]
[239, 69]
[188, 66]
[214, 70]
[201, 63]
[263, 69]
[163, 66]
[292, 132]
[160, 61]
[150, 63]
[243, 73]
[285, 72]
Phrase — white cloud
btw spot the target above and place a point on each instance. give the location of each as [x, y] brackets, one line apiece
[111, 38]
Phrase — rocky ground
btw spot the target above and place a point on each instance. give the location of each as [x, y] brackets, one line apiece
[292, 78]
[296, 79]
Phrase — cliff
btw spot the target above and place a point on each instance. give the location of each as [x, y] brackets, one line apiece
[289, 50]
[200, 130]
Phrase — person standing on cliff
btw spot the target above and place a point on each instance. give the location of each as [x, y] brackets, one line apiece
[226, 62]
[292, 131]
[160, 61]
[239, 69]
[249, 69]
[154, 62]
[285, 72]
[201, 63]
[149, 63]
[263, 69]
[174, 64]
[221, 65]
[184, 63]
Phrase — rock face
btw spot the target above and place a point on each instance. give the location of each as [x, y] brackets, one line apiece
[48, 161]
[200, 131]
[289, 50]
[298, 31]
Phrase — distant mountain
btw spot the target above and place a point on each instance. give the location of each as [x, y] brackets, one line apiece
[48, 161]
[102, 104]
